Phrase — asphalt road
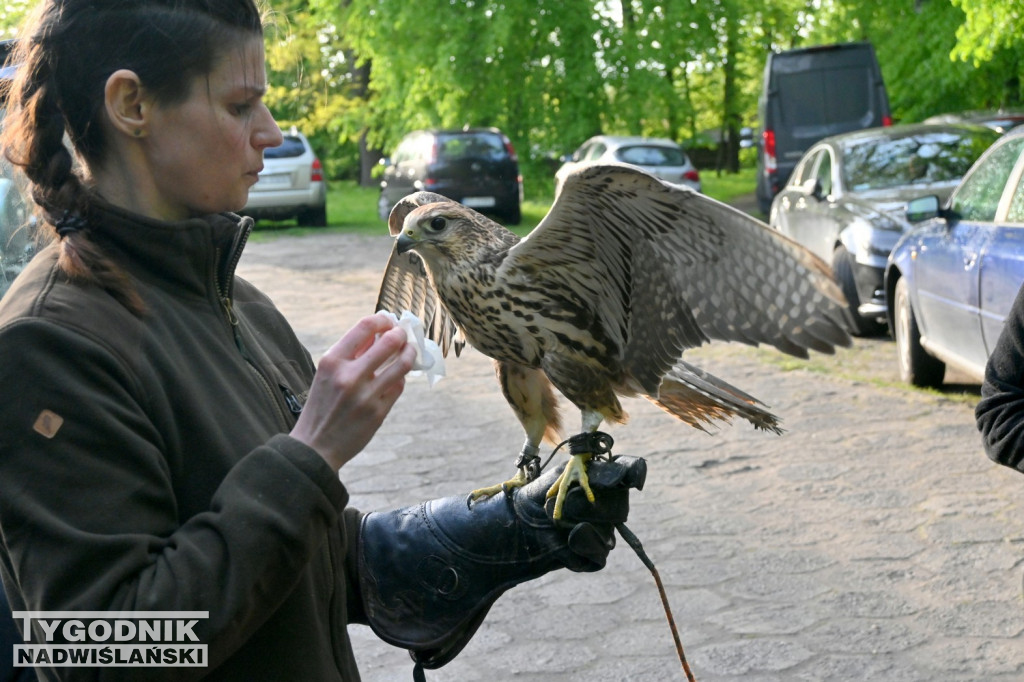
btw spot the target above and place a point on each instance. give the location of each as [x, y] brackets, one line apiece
[873, 540]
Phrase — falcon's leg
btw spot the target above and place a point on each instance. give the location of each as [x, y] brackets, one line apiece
[527, 469]
[576, 469]
[531, 397]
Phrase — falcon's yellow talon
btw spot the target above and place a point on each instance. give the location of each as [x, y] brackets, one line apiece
[517, 481]
[575, 470]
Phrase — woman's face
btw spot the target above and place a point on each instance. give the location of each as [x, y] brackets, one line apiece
[203, 154]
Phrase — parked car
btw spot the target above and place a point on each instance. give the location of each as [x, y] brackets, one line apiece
[1000, 120]
[16, 222]
[291, 185]
[954, 276]
[477, 167]
[811, 93]
[845, 200]
[660, 157]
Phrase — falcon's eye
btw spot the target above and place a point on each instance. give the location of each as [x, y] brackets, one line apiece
[437, 224]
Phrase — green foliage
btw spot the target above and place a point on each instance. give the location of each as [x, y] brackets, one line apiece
[527, 68]
[11, 14]
[355, 75]
[935, 57]
[989, 27]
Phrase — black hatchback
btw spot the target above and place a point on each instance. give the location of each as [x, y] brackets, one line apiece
[475, 166]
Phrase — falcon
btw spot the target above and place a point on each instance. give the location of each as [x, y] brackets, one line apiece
[602, 298]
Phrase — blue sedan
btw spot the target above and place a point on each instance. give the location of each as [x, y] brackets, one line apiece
[954, 276]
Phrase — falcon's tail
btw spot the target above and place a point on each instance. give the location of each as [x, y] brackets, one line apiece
[698, 398]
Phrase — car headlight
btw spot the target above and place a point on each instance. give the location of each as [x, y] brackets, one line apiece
[871, 242]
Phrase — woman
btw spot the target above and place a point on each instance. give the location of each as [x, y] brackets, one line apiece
[171, 446]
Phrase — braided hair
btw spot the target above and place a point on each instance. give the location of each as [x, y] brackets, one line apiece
[66, 52]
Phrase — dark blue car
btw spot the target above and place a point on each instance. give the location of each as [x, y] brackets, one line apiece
[953, 277]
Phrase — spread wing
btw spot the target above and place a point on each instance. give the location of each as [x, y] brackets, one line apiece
[665, 268]
[406, 285]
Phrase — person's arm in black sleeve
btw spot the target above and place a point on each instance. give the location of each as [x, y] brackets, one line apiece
[1000, 413]
[424, 577]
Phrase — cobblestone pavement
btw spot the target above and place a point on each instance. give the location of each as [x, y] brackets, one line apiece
[871, 541]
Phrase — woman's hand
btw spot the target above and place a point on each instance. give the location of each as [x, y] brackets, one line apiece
[356, 383]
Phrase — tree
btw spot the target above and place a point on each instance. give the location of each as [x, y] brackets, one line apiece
[527, 68]
[310, 83]
[923, 46]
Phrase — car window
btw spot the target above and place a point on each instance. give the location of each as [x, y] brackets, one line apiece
[648, 155]
[581, 153]
[848, 96]
[977, 197]
[1016, 213]
[927, 157]
[476, 146]
[595, 151]
[803, 171]
[824, 174]
[404, 151]
[290, 148]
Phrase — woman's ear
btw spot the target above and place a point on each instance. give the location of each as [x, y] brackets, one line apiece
[126, 103]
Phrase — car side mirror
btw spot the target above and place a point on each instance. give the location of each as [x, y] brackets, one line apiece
[923, 208]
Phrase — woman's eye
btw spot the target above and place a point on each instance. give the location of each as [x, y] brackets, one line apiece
[437, 224]
[241, 109]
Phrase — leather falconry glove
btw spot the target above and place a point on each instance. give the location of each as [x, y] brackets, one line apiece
[429, 573]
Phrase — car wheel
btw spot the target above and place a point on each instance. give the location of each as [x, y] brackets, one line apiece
[842, 268]
[313, 217]
[514, 215]
[917, 367]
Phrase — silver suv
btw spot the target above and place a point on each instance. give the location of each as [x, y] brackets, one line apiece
[291, 185]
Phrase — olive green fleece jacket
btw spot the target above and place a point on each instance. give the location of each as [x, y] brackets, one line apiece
[144, 466]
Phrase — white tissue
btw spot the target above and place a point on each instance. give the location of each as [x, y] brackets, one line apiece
[429, 360]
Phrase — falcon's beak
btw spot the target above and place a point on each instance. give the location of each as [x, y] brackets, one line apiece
[406, 242]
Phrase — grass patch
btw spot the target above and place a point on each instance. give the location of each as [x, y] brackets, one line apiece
[351, 208]
[857, 364]
[728, 186]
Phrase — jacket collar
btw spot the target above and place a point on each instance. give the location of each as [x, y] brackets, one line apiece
[192, 256]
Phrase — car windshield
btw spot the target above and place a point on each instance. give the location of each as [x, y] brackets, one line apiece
[290, 148]
[648, 155]
[476, 146]
[927, 157]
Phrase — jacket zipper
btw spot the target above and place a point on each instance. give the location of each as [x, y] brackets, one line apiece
[223, 287]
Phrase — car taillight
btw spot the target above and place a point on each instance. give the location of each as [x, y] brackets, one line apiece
[887, 120]
[770, 164]
[317, 174]
[692, 176]
[509, 148]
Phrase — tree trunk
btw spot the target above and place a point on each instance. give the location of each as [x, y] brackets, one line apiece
[729, 144]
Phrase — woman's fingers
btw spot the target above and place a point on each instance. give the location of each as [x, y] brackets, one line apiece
[357, 382]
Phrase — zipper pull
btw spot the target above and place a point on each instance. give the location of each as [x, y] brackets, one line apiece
[229, 312]
[292, 400]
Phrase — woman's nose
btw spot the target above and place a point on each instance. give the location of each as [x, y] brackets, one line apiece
[267, 133]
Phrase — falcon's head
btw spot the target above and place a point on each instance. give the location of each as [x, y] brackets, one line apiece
[447, 233]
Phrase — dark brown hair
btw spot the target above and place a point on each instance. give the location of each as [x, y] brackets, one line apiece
[65, 53]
